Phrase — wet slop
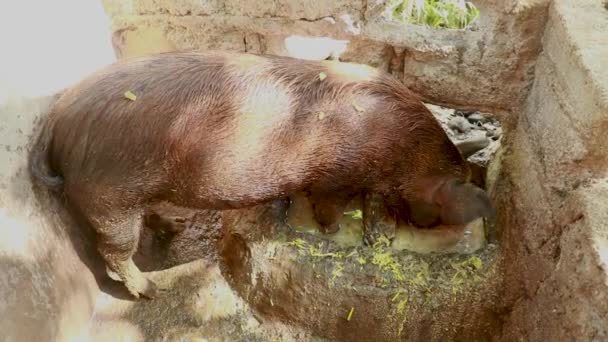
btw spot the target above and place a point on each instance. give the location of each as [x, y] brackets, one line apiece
[240, 275]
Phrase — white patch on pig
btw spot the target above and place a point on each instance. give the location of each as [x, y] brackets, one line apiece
[263, 107]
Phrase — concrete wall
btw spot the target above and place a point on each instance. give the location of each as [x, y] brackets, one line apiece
[554, 186]
[47, 291]
[551, 179]
[489, 67]
[550, 182]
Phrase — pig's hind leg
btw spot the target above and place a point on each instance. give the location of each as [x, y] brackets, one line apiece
[118, 238]
[115, 212]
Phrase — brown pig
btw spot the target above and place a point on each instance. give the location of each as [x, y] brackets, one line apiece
[218, 130]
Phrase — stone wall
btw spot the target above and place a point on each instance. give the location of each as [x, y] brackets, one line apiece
[553, 189]
[488, 67]
[550, 180]
[47, 289]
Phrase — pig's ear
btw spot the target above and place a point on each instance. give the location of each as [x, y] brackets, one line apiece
[462, 203]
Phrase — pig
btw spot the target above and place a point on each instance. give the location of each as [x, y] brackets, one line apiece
[219, 130]
[166, 219]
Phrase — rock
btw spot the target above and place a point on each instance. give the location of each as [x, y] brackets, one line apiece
[369, 52]
[476, 117]
[497, 133]
[441, 113]
[460, 124]
[473, 145]
[490, 129]
[464, 113]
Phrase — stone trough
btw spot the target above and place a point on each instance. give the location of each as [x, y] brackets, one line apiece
[265, 273]
[345, 293]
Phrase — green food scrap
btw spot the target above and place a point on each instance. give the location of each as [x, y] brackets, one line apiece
[336, 273]
[350, 314]
[321, 115]
[421, 279]
[358, 108]
[387, 262]
[130, 96]
[465, 270]
[353, 253]
[476, 262]
[402, 310]
[384, 283]
[361, 260]
[316, 252]
[381, 242]
[399, 311]
[399, 293]
[385, 259]
[299, 243]
[402, 305]
[322, 76]
[355, 214]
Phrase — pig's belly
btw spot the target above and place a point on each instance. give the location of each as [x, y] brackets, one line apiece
[232, 190]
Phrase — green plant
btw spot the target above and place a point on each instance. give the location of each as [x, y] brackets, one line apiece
[452, 14]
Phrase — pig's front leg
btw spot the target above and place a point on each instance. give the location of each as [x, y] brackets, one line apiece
[328, 208]
[377, 220]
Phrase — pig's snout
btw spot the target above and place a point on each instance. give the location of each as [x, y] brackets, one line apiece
[454, 203]
[463, 202]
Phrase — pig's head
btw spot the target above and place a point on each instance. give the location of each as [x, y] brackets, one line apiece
[441, 193]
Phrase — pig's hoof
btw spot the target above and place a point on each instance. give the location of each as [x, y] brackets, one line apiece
[330, 229]
[177, 225]
[113, 275]
[154, 291]
[147, 289]
[379, 232]
[369, 239]
[372, 238]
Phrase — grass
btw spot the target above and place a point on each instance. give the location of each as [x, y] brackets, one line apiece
[449, 14]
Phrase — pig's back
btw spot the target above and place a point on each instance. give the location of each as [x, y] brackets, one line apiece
[99, 133]
[234, 125]
[295, 123]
